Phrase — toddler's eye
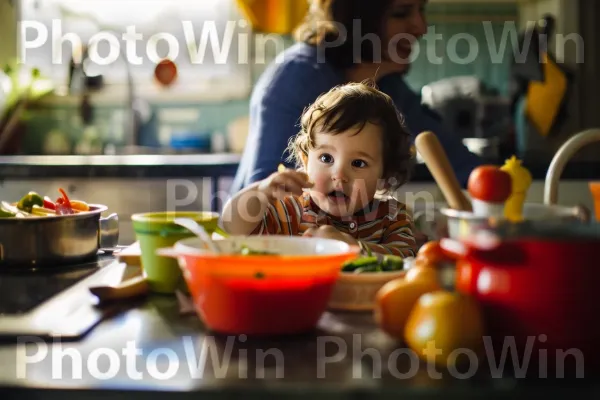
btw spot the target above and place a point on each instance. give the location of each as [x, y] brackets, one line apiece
[359, 164]
[326, 158]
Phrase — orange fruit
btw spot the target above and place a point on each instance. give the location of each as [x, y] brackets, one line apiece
[443, 325]
[422, 272]
[425, 262]
[395, 300]
[432, 252]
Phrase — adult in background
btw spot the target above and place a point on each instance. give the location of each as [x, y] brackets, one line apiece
[341, 41]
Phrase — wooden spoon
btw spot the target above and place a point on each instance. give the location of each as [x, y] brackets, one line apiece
[130, 288]
[435, 158]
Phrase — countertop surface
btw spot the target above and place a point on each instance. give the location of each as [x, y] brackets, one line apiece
[152, 348]
[204, 165]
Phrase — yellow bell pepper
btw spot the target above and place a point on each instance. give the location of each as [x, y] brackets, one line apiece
[79, 205]
[521, 181]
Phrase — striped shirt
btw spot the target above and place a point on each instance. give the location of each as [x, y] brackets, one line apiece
[383, 227]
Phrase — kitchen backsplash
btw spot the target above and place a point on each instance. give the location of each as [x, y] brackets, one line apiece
[201, 120]
[206, 119]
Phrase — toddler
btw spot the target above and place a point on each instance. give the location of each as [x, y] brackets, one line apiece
[352, 149]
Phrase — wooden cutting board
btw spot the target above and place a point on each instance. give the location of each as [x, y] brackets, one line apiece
[131, 255]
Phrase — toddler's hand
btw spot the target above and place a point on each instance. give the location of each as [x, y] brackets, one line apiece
[329, 232]
[284, 183]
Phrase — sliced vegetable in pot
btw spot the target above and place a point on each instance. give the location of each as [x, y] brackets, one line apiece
[63, 204]
[34, 205]
[5, 212]
[79, 205]
[49, 204]
[29, 200]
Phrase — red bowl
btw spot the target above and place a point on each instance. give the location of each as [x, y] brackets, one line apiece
[277, 294]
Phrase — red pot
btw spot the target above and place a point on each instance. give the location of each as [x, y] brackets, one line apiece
[536, 286]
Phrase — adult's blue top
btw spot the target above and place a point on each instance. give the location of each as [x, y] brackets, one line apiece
[294, 81]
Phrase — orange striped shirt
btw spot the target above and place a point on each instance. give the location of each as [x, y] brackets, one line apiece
[383, 227]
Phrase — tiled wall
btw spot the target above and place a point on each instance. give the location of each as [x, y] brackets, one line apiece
[448, 20]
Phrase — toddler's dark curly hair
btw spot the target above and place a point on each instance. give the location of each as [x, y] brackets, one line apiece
[352, 106]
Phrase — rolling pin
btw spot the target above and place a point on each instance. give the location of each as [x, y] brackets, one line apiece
[432, 152]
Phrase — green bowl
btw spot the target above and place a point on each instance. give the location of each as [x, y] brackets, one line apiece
[155, 230]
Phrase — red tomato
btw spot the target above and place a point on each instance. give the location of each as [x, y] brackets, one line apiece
[489, 183]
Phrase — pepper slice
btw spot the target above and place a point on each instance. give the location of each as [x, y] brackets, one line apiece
[29, 200]
[79, 205]
[63, 204]
[49, 204]
[64, 199]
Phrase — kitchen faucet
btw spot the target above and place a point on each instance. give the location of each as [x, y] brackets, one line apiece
[560, 159]
[134, 107]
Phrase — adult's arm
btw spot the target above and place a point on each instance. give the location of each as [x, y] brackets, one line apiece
[419, 118]
[277, 103]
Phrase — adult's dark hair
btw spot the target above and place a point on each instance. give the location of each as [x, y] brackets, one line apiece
[337, 26]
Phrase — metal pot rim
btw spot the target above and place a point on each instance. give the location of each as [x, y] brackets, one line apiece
[557, 210]
[95, 209]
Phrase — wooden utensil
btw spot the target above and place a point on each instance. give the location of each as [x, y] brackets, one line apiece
[435, 158]
[130, 288]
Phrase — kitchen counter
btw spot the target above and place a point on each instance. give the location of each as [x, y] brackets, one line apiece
[152, 348]
[125, 166]
[199, 165]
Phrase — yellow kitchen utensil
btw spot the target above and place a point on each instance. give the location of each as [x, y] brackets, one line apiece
[521, 181]
[274, 16]
[544, 99]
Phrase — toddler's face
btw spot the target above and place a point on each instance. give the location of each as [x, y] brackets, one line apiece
[345, 169]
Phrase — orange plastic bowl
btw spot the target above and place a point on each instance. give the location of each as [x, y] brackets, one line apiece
[279, 294]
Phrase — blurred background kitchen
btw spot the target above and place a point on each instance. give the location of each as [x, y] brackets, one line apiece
[53, 104]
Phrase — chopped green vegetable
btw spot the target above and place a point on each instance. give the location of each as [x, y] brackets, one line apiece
[6, 214]
[29, 200]
[361, 262]
[392, 263]
[9, 211]
[373, 264]
[247, 251]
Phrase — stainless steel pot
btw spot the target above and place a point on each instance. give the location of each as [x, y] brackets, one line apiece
[460, 224]
[40, 242]
[442, 221]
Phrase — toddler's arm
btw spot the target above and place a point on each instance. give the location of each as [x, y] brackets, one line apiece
[243, 213]
[397, 238]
